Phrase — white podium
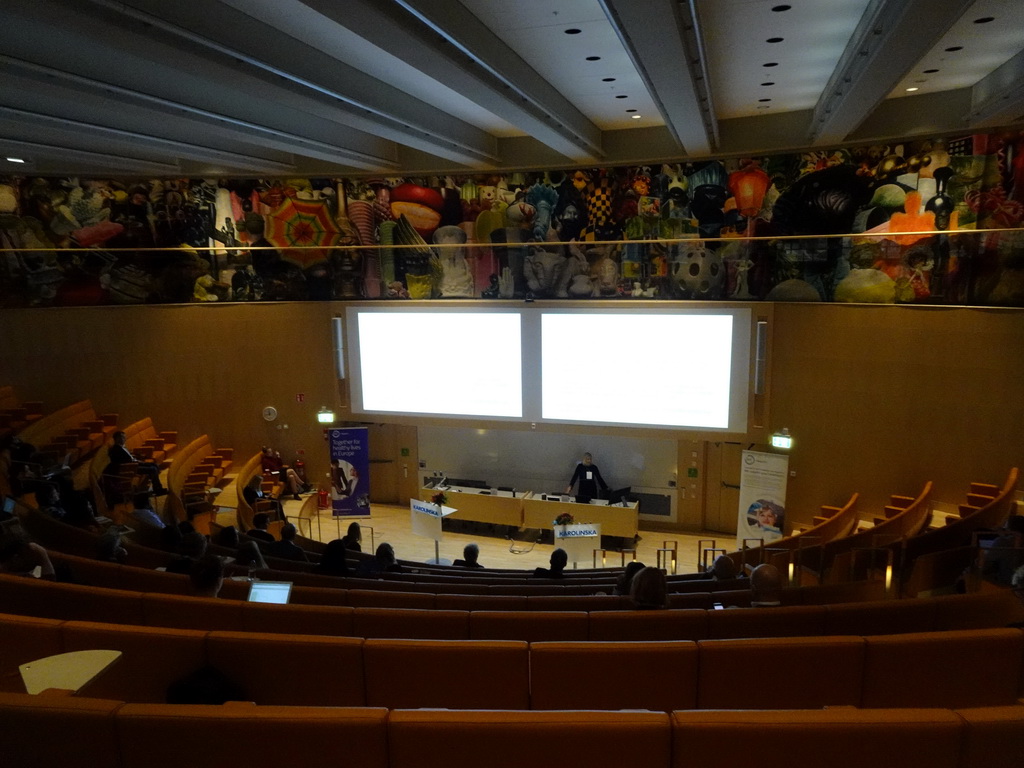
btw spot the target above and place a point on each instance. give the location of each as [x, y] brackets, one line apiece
[579, 540]
[426, 521]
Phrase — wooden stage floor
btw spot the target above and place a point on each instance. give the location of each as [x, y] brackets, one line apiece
[391, 523]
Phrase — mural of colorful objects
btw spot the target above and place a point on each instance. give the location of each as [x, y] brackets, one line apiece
[904, 223]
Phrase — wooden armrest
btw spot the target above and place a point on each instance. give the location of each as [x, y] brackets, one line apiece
[169, 437]
[154, 442]
[226, 453]
[109, 419]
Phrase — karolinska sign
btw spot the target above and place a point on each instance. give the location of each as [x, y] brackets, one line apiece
[574, 532]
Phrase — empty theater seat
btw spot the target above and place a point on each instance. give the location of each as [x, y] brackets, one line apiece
[837, 738]
[461, 675]
[501, 739]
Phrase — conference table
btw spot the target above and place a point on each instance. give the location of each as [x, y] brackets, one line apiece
[533, 510]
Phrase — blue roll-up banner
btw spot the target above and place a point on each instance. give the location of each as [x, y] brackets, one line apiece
[350, 472]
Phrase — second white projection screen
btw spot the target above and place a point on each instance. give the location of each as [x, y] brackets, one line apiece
[649, 369]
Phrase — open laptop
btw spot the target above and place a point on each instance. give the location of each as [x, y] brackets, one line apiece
[270, 592]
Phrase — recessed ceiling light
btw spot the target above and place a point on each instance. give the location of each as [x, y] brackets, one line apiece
[607, 79]
[984, 19]
[954, 48]
[636, 117]
[573, 31]
[764, 99]
[593, 58]
[930, 71]
[631, 110]
[15, 160]
[767, 83]
[780, 8]
[771, 64]
[911, 90]
[622, 96]
[774, 40]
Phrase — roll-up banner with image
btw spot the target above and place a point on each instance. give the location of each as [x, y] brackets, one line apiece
[350, 472]
[762, 507]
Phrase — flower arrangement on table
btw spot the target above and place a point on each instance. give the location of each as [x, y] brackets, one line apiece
[565, 519]
[439, 498]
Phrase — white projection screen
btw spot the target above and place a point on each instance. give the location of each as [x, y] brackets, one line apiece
[657, 368]
[437, 362]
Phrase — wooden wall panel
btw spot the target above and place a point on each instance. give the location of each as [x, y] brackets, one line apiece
[195, 368]
[882, 398]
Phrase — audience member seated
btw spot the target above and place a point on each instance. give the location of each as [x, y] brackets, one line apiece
[353, 538]
[625, 580]
[248, 555]
[191, 548]
[109, 549]
[259, 531]
[332, 561]
[649, 590]
[287, 548]
[383, 560]
[765, 587]
[48, 499]
[21, 557]
[470, 557]
[207, 576]
[274, 468]
[723, 569]
[170, 538]
[253, 494]
[556, 565]
[118, 455]
[1005, 555]
[227, 537]
[144, 513]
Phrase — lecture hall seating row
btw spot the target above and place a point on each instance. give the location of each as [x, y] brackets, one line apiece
[881, 671]
[367, 593]
[195, 468]
[32, 597]
[16, 414]
[111, 734]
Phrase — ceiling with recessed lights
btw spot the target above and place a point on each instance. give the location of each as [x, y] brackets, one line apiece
[396, 87]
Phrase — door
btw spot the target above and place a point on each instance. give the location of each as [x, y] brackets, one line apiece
[722, 489]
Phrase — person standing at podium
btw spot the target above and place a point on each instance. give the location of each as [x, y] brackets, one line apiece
[589, 477]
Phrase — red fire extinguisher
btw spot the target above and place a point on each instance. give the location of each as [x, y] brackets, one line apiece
[323, 499]
[300, 469]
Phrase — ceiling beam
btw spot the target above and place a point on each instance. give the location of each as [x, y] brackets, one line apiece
[998, 99]
[85, 132]
[364, 102]
[665, 43]
[505, 83]
[119, 162]
[892, 36]
[46, 89]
